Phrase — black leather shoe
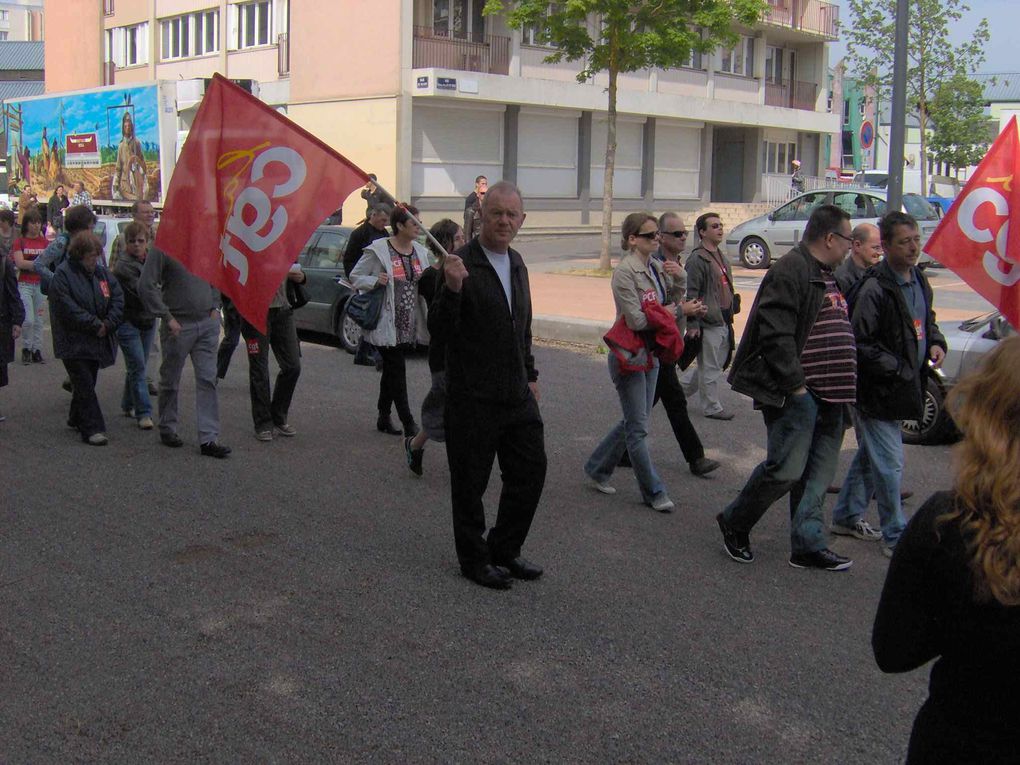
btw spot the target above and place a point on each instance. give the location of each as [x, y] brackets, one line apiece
[171, 439]
[521, 568]
[213, 449]
[383, 425]
[488, 575]
[703, 466]
[410, 429]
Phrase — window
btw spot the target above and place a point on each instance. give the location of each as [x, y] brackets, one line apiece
[801, 207]
[776, 157]
[3, 35]
[529, 35]
[846, 111]
[254, 24]
[461, 19]
[128, 46]
[854, 203]
[108, 7]
[740, 59]
[327, 251]
[196, 34]
[774, 64]
[5, 15]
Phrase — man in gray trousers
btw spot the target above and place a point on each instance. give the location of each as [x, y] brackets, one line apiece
[189, 308]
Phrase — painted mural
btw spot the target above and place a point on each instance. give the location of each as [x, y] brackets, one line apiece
[108, 139]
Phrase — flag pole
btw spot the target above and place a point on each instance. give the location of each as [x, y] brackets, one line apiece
[428, 234]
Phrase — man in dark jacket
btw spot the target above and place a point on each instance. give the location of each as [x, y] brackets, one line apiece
[55, 208]
[865, 252]
[896, 333]
[483, 315]
[797, 360]
[373, 228]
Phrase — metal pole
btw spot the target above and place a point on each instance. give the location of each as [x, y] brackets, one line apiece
[898, 128]
[428, 234]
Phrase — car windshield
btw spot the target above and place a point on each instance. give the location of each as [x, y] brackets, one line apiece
[919, 207]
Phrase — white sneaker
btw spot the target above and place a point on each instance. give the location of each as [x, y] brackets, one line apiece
[860, 530]
[888, 551]
[98, 439]
[663, 504]
[145, 423]
[601, 486]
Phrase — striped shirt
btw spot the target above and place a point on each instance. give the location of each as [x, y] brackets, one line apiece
[829, 358]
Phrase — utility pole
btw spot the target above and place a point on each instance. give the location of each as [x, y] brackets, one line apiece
[898, 128]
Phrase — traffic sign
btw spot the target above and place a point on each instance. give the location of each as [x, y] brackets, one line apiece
[867, 134]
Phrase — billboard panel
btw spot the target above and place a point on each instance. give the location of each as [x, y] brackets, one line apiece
[107, 138]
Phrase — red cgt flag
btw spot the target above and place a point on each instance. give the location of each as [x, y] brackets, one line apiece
[976, 240]
[248, 190]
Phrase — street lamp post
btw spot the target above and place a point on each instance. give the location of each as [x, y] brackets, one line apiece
[898, 127]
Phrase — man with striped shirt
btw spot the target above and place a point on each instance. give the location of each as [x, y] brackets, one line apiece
[798, 361]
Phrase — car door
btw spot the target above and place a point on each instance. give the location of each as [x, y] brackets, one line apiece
[322, 262]
[786, 227]
[859, 205]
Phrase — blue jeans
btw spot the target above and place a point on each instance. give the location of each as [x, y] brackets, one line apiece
[877, 470]
[804, 438]
[637, 392]
[135, 344]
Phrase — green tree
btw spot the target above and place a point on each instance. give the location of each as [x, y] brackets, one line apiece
[932, 59]
[960, 133]
[615, 36]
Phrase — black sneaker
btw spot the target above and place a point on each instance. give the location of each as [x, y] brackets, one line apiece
[213, 449]
[824, 559]
[414, 457]
[171, 439]
[37, 357]
[26, 356]
[66, 385]
[737, 545]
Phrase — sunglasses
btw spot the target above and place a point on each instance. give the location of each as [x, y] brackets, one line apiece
[677, 234]
[649, 235]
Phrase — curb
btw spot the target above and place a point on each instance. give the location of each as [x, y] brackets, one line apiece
[569, 330]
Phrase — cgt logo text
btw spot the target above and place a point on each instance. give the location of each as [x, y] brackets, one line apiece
[997, 264]
[256, 203]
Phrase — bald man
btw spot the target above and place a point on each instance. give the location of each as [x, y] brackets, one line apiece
[865, 252]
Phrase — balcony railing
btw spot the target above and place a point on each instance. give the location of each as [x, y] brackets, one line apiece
[811, 16]
[432, 49]
[283, 54]
[791, 94]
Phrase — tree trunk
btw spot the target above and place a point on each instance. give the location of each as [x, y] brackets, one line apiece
[607, 184]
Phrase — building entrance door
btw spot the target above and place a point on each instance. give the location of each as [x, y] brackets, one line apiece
[728, 165]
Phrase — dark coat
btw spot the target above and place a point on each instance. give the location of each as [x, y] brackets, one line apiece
[80, 303]
[12, 310]
[488, 351]
[55, 210]
[703, 282]
[360, 238]
[890, 377]
[767, 363]
[127, 270]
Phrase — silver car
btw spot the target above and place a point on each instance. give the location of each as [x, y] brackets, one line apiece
[757, 242]
[967, 343]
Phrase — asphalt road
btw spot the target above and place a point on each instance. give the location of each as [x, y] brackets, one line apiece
[300, 601]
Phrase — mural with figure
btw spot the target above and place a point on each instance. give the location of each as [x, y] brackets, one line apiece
[107, 138]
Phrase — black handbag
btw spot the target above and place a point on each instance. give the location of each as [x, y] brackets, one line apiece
[297, 295]
[365, 308]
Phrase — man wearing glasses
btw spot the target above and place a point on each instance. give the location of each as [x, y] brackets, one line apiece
[710, 280]
[797, 359]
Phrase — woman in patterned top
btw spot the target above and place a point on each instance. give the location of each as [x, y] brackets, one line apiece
[396, 265]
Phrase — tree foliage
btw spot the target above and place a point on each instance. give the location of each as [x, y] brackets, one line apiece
[932, 59]
[615, 36]
[960, 135]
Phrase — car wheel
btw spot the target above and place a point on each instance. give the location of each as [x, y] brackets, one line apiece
[754, 253]
[935, 425]
[347, 331]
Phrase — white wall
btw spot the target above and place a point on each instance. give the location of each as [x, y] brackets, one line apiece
[547, 153]
[677, 160]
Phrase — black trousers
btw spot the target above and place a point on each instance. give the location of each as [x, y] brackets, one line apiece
[476, 434]
[668, 388]
[85, 414]
[281, 336]
[231, 336]
[393, 385]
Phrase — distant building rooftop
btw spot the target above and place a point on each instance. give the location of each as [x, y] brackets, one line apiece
[20, 55]
[11, 89]
[999, 86]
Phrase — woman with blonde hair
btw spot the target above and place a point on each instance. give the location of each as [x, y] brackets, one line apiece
[953, 588]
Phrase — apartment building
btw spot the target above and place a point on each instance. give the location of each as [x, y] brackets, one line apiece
[21, 20]
[430, 93]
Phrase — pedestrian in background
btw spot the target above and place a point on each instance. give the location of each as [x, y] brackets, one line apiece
[55, 209]
[86, 305]
[12, 312]
[396, 265]
[451, 237]
[24, 250]
[952, 592]
[136, 333]
[638, 279]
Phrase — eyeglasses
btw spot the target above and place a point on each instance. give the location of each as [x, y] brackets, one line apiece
[677, 234]
[649, 235]
[843, 236]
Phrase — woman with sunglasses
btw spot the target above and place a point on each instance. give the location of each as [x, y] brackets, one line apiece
[136, 333]
[638, 279]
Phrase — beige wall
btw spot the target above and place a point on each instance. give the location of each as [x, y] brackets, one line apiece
[74, 53]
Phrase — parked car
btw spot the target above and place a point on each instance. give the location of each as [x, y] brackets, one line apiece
[327, 287]
[967, 343]
[757, 242]
[107, 228]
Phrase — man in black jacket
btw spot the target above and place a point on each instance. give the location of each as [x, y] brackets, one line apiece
[373, 228]
[483, 315]
[797, 360]
[896, 333]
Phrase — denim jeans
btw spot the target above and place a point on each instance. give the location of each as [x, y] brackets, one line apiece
[877, 470]
[135, 343]
[804, 438]
[637, 392]
[32, 328]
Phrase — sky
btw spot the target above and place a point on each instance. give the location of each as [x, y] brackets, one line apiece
[1002, 19]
